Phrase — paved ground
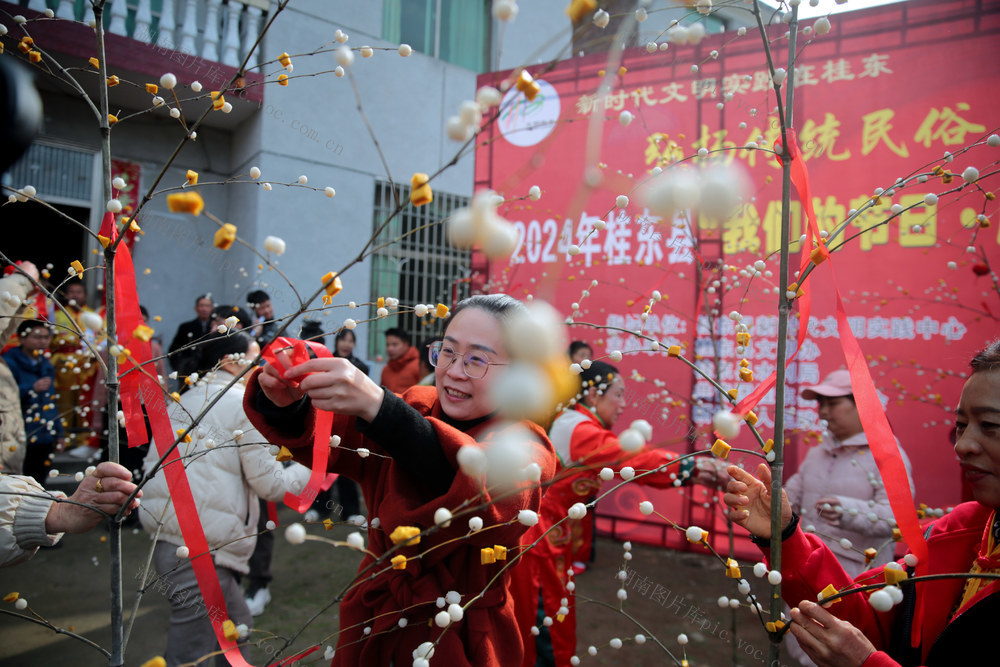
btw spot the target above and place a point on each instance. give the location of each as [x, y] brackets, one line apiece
[670, 593]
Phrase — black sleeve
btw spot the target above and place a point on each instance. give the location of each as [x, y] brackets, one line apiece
[178, 340]
[419, 451]
[290, 419]
[765, 543]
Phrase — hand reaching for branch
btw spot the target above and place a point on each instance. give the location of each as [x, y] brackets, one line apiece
[106, 489]
[749, 500]
[826, 639]
[335, 384]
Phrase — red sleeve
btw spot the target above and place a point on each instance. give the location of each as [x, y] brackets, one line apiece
[595, 446]
[808, 566]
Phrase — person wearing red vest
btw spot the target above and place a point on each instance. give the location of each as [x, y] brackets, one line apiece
[583, 439]
[405, 453]
[945, 621]
[403, 369]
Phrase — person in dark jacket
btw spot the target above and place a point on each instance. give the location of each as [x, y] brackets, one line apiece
[35, 377]
[183, 356]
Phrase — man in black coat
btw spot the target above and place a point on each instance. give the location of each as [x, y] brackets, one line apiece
[184, 357]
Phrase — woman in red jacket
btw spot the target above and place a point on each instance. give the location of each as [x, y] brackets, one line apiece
[583, 439]
[404, 452]
[946, 621]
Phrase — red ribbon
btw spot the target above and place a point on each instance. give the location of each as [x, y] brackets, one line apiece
[800, 178]
[885, 451]
[876, 426]
[319, 480]
[137, 388]
[881, 440]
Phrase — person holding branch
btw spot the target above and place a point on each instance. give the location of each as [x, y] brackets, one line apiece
[405, 452]
[940, 621]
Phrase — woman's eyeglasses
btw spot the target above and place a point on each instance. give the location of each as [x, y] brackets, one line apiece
[474, 362]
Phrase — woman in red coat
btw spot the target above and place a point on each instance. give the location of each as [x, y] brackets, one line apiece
[583, 439]
[408, 473]
[939, 622]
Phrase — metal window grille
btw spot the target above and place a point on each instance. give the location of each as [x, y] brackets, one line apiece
[59, 173]
[417, 264]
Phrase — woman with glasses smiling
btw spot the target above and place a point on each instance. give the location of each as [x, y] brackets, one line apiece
[403, 451]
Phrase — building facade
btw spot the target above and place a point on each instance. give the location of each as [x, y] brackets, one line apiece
[310, 127]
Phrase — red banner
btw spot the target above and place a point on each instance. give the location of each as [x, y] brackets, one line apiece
[131, 173]
[875, 101]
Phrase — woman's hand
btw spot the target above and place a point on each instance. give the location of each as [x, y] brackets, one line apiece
[826, 639]
[106, 489]
[278, 390]
[749, 500]
[830, 515]
[32, 271]
[334, 384]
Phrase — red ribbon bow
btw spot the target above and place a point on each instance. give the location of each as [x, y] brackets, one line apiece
[298, 353]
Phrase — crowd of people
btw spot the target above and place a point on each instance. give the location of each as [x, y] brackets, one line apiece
[431, 401]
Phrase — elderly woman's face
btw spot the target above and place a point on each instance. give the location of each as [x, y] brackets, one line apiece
[471, 331]
[977, 421]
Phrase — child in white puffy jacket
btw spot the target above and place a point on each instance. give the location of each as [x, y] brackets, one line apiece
[228, 467]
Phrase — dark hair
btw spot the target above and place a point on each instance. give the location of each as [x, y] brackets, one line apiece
[27, 325]
[203, 296]
[578, 345]
[225, 312]
[599, 372]
[344, 333]
[144, 311]
[218, 346]
[987, 359]
[257, 297]
[312, 330]
[401, 334]
[499, 306]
